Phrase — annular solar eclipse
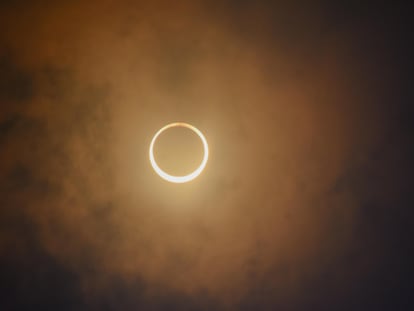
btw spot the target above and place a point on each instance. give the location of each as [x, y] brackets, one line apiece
[184, 178]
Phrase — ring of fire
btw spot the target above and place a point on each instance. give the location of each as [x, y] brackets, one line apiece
[184, 178]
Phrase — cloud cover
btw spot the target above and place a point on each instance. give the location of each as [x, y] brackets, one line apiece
[305, 202]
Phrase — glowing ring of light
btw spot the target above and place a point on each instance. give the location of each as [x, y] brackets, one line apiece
[184, 178]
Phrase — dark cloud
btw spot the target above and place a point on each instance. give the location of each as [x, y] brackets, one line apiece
[33, 279]
[16, 84]
[7, 125]
[134, 295]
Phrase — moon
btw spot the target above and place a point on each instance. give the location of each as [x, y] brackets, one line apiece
[184, 178]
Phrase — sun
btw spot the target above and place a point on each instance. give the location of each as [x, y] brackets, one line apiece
[184, 178]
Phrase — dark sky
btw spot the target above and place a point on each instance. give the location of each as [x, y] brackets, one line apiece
[306, 202]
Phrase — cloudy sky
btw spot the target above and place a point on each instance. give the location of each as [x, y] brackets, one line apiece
[306, 201]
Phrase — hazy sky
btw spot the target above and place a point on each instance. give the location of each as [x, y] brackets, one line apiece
[305, 203]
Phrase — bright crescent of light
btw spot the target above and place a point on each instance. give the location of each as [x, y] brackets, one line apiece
[184, 178]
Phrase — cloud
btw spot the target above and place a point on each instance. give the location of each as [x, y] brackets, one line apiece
[308, 157]
[16, 84]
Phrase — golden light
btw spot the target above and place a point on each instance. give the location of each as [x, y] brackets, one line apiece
[184, 178]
